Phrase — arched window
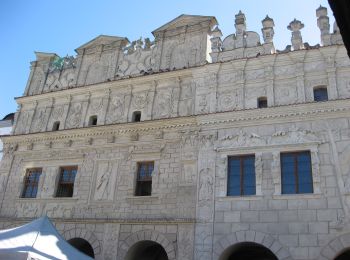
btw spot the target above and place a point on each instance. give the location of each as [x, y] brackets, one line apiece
[262, 102]
[92, 120]
[136, 116]
[320, 94]
[56, 126]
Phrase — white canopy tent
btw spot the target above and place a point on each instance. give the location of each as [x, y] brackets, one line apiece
[38, 239]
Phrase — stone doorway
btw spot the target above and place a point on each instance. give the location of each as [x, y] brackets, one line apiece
[146, 250]
[247, 251]
[83, 246]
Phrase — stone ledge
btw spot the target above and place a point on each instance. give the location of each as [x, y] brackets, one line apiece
[237, 198]
[298, 196]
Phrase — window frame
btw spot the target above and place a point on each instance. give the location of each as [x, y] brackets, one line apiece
[241, 174]
[296, 172]
[93, 120]
[262, 99]
[56, 126]
[60, 193]
[140, 181]
[322, 88]
[136, 115]
[27, 183]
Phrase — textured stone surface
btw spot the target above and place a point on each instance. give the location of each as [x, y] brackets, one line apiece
[192, 120]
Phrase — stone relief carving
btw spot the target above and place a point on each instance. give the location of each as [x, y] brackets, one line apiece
[205, 187]
[229, 100]
[163, 104]
[39, 121]
[138, 59]
[116, 109]
[23, 121]
[186, 100]
[189, 142]
[188, 174]
[37, 81]
[96, 105]
[276, 172]
[52, 82]
[105, 181]
[293, 136]
[203, 104]
[29, 210]
[67, 79]
[241, 139]
[75, 115]
[57, 112]
[59, 210]
[258, 172]
[140, 100]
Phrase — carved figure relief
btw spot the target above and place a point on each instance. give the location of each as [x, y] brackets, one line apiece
[205, 186]
[139, 58]
[276, 172]
[203, 104]
[67, 79]
[105, 181]
[186, 100]
[116, 109]
[294, 135]
[57, 112]
[37, 80]
[96, 105]
[164, 104]
[75, 115]
[242, 139]
[23, 121]
[52, 82]
[140, 100]
[39, 120]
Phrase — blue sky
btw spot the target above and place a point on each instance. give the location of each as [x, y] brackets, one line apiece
[61, 26]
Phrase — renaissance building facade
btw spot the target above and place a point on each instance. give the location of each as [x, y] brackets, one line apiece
[188, 147]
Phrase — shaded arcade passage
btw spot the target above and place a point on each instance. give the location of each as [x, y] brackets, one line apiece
[146, 250]
[83, 246]
[247, 251]
[344, 256]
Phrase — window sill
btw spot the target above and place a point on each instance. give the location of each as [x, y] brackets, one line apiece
[248, 197]
[61, 199]
[298, 196]
[152, 197]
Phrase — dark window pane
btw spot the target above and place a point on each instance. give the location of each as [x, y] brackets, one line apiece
[296, 173]
[31, 182]
[241, 175]
[144, 179]
[66, 182]
[320, 94]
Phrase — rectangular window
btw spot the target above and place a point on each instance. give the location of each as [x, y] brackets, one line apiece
[31, 182]
[66, 181]
[241, 175]
[296, 173]
[144, 179]
[320, 94]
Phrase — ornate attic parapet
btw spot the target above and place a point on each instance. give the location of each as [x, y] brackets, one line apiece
[297, 41]
[327, 38]
[243, 43]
